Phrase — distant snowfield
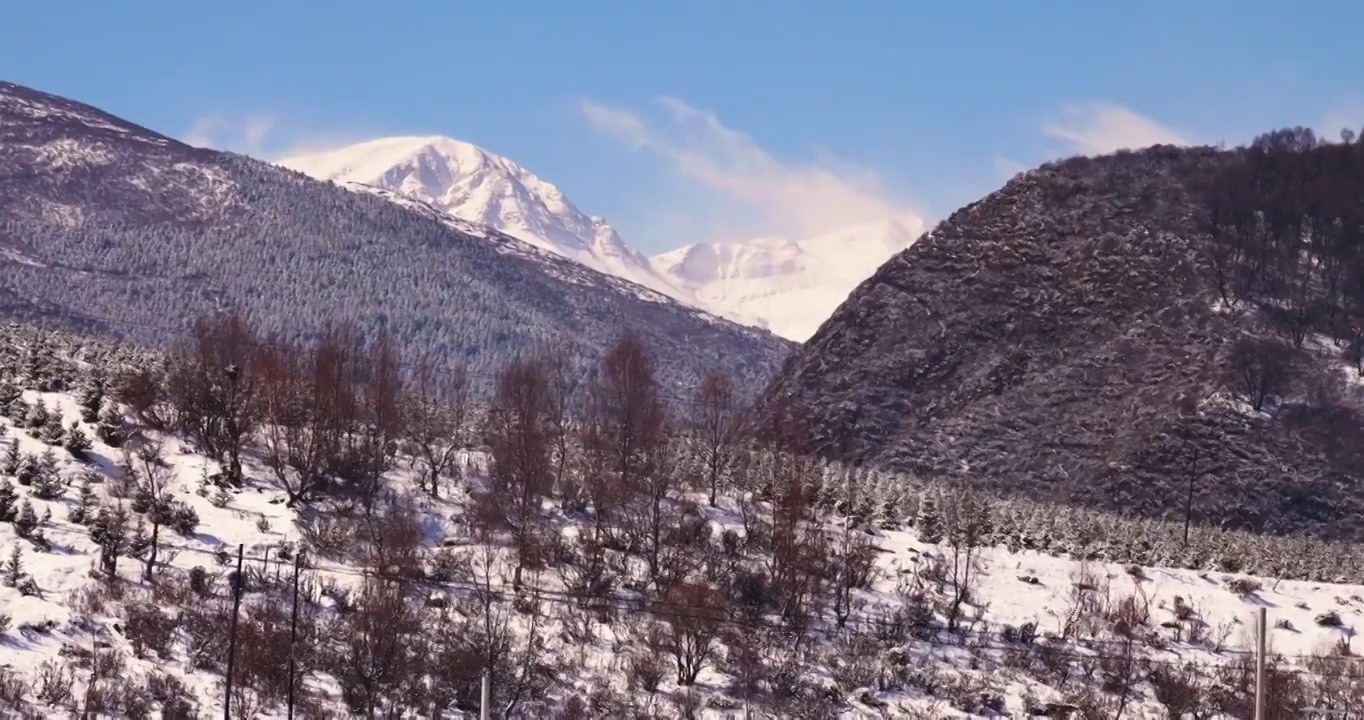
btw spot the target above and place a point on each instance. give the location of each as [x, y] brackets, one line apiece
[1012, 589]
[788, 286]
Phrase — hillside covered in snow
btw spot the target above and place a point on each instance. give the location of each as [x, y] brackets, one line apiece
[424, 536]
[110, 226]
[788, 286]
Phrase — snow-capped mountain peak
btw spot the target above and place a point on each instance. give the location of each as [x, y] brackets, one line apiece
[476, 185]
[787, 285]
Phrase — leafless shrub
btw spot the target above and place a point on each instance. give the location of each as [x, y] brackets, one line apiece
[1129, 614]
[1086, 602]
[13, 691]
[176, 699]
[692, 614]
[149, 629]
[855, 662]
[54, 683]
[646, 668]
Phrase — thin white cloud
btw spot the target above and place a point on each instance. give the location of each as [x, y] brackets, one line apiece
[262, 136]
[245, 135]
[755, 192]
[1099, 128]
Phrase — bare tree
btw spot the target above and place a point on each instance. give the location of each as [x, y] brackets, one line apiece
[966, 517]
[311, 410]
[563, 393]
[1260, 368]
[518, 434]
[626, 428]
[854, 568]
[716, 425]
[436, 411]
[693, 614]
[213, 386]
[796, 545]
[377, 423]
[298, 444]
[152, 499]
[379, 649]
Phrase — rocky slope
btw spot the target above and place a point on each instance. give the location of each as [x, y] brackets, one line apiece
[1064, 339]
[109, 225]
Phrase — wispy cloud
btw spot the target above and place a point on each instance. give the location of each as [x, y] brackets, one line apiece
[754, 191]
[245, 135]
[262, 136]
[1098, 128]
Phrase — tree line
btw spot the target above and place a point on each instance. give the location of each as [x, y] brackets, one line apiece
[1287, 231]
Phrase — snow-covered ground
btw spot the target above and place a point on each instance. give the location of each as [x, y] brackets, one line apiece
[1033, 629]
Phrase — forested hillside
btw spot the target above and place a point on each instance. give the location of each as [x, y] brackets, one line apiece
[110, 226]
[1170, 332]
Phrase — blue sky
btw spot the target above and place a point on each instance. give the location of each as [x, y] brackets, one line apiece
[706, 119]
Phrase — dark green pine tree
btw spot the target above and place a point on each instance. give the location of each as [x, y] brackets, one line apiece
[11, 461]
[929, 522]
[77, 442]
[9, 497]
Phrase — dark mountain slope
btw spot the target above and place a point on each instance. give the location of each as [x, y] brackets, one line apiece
[106, 224]
[1064, 338]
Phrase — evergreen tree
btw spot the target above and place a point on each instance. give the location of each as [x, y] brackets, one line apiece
[18, 412]
[53, 432]
[47, 482]
[77, 442]
[9, 395]
[37, 415]
[92, 396]
[140, 542]
[929, 522]
[28, 470]
[110, 429]
[12, 460]
[87, 505]
[14, 569]
[8, 498]
[110, 531]
[26, 523]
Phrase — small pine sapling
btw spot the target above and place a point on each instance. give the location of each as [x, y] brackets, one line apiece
[53, 432]
[26, 524]
[77, 442]
[110, 428]
[12, 459]
[28, 470]
[14, 574]
[9, 498]
[86, 504]
[92, 397]
[37, 417]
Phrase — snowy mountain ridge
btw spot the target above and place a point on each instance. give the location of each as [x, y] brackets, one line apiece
[788, 286]
[480, 187]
